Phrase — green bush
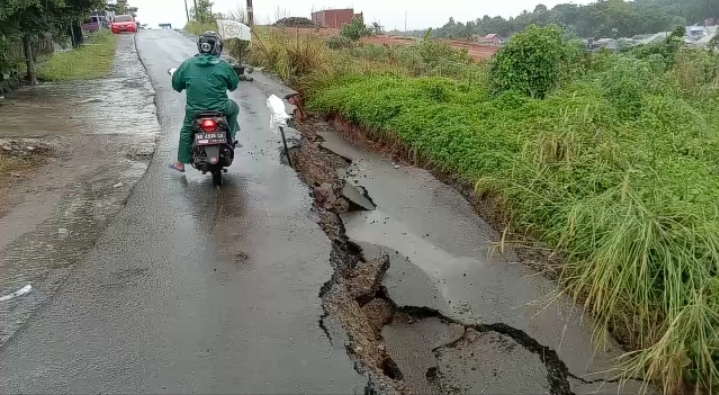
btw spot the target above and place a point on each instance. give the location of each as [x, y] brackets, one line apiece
[530, 62]
[355, 29]
[339, 42]
[623, 86]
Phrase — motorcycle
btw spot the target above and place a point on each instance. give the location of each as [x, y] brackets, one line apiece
[213, 149]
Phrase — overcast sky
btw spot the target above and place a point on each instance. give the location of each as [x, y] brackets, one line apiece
[391, 14]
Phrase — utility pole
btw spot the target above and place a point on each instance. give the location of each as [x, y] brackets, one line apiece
[250, 17]
[187, 12]
[405, 21]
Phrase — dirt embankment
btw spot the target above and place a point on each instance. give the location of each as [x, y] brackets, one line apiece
[478, 51]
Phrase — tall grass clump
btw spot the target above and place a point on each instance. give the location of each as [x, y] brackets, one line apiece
[612, 160]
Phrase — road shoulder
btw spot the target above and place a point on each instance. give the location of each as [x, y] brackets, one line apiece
[101, 135]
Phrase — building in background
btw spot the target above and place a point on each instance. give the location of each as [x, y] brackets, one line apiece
[334, 18]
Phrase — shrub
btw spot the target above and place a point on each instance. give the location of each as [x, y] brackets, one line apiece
[623, 86]
[238, 49]
[339, 42]
[355, 29]
[530, 62]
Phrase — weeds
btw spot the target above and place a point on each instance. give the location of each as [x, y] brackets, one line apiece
[92, 61]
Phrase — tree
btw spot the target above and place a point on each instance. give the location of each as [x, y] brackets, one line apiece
[603, 18]
[26, 19]
[203, 11]
[678, 21]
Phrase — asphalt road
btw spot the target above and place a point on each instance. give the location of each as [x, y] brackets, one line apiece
[192, 289]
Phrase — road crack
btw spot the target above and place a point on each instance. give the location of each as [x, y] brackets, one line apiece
[356, 297]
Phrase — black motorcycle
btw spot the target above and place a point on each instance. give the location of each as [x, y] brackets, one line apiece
[213, 148]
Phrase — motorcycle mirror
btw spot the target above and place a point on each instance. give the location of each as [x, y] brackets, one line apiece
[171, 71]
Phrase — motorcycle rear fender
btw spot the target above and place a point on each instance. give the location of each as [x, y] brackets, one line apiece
[213, 154]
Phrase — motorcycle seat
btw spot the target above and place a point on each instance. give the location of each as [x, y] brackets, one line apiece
[209, 114]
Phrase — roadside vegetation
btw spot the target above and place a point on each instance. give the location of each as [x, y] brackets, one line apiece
[196, 27]
[22, 21]
[610, 158]
[91, 61]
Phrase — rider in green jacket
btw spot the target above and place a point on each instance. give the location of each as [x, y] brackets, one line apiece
[207, 78]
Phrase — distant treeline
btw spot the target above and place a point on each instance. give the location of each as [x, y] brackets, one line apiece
[607, 18]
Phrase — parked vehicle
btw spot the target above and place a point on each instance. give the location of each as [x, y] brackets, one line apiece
[124, 24]
[212, 149]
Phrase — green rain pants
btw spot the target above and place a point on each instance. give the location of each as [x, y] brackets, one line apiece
[231, 111]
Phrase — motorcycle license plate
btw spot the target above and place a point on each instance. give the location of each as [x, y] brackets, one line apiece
[209, 138]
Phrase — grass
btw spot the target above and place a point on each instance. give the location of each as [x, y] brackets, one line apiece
[618, 169]
[88, 62]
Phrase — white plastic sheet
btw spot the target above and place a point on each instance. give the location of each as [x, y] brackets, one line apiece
[22, 291]
[278, 116]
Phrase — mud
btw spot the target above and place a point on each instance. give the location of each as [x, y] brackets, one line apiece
[55, 214]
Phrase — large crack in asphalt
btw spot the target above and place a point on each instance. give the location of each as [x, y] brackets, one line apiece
[356, 297]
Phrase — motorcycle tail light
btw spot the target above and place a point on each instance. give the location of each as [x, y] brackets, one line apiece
[209, 126]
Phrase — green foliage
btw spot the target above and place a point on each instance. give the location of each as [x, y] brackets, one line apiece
[339, 42]
[203, 12]
[667, 50]
[28, 18]
[609, 18]
[355, 29]
[238, 49]
[530, 63]
[623, 86]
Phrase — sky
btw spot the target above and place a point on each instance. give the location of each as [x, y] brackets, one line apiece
[390, 14]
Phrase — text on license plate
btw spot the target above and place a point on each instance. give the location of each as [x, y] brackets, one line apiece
[209, 138]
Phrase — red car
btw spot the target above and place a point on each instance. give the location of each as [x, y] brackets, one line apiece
[124, 24]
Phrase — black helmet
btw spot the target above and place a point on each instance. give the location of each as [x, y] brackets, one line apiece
[210, 43]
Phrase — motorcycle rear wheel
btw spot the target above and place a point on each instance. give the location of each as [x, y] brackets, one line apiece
[217, 176]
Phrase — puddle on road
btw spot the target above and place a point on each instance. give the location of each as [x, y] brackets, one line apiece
[122, 104]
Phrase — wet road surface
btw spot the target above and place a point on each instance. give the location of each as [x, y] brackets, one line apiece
[192, 289]
[99, 154]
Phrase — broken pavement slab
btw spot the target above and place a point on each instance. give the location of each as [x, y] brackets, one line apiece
[490, 363]
[335, 144]
[355, 196]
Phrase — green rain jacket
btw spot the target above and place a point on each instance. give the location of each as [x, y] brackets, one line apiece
[206, 79]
